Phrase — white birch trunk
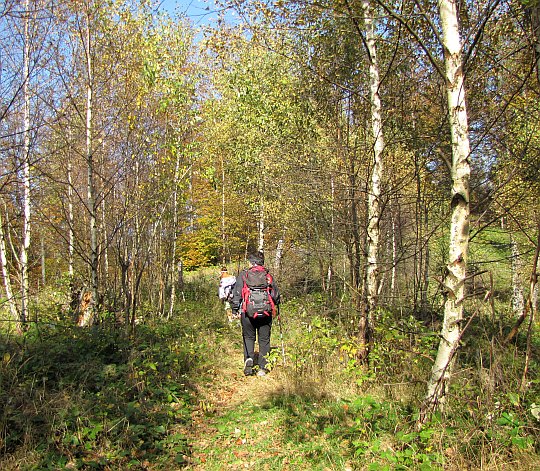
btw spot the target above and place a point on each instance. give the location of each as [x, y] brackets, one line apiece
[6, 275]
[90, 161]
[105, 236]
[374, 205]
[459, 228]
[173, 264]
[91, 200]
[71, 222]
[223, 202]
[279, 253]
[330, 272]
[23, 258]
[260, 245]
[518, 299]
[374, 194]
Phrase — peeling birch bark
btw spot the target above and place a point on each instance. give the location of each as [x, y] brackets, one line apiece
[454, 281]
[374, 194]
[25, 246]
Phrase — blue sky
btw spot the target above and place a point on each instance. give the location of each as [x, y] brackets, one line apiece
[199, 11]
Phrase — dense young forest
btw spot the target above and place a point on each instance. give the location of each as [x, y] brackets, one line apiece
[383, 155]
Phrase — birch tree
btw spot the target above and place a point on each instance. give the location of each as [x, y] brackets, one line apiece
[7, 276]
[89, 153]
[374, 204]
[25, 246]
[454, 280]
[175, 211]
[374, 192]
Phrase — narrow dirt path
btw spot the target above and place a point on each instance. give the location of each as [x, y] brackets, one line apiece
[232, 423]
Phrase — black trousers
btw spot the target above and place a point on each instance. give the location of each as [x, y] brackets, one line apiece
[260, 328]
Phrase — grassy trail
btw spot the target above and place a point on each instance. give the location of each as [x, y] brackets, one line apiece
[234, 425]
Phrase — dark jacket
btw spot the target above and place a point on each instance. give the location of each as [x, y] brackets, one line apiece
[236, 302]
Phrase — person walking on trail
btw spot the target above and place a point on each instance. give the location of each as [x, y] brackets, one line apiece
[226, 284]
[255, 297]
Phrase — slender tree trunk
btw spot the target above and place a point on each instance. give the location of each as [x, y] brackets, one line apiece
[454, 281]
[6, 275]
[71, 236]
[354, 246]
[419, 243]
[189, 204]
[89, 313]
[425, 261]
[173, 264]
[135, 244]
[91, 196]
[279, 253]
[23, 258]
[394, 258]
[534, 13]
[374, 193]
[104, 250]
[261, 226]
[518, 301]
[223, 222]
[530, 305]
[330, 273]
[43, 257]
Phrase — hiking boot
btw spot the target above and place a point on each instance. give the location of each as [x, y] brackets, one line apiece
[248, 367]
[261, 372]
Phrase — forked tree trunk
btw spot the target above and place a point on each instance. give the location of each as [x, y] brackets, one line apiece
[454, 281]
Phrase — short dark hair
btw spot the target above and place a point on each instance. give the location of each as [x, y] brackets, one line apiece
[256, 258]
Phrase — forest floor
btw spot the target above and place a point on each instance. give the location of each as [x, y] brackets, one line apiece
[245, 422]
[305, 418]
[224, 433]
[174, 397]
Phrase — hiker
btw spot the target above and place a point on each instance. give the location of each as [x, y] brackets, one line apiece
[255, 297]
[226, 284]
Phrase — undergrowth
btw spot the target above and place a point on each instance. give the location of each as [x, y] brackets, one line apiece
[95, 398]
[102, 398]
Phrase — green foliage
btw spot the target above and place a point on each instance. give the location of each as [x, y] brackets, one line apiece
[92, 398]
[100, 398]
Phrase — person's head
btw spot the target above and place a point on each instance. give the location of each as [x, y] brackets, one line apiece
[224, 272]
[256, 258]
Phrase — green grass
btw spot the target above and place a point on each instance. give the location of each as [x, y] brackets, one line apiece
[173, 396]
[94, 398]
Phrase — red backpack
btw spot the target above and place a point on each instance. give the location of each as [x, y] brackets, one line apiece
[256, 293]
